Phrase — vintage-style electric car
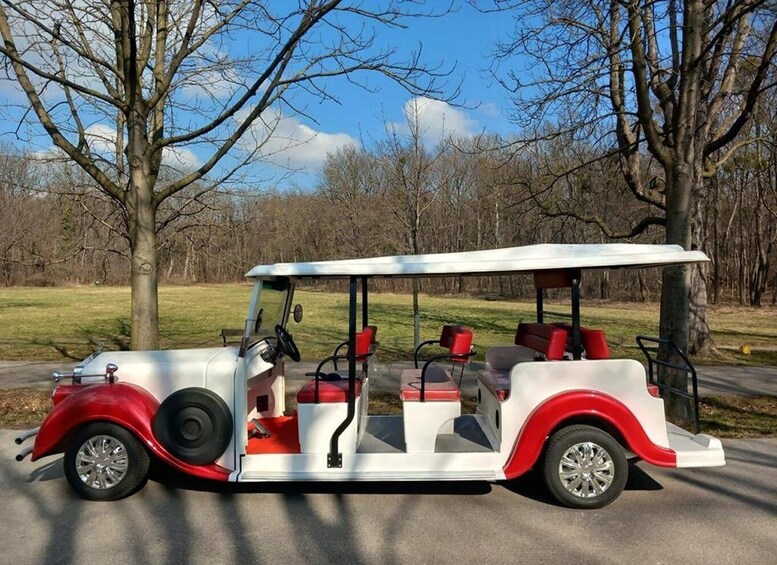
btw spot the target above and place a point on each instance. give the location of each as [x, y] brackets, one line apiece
[551, 398]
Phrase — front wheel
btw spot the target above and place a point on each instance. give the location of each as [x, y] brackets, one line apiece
[104, 461]
[584, 467]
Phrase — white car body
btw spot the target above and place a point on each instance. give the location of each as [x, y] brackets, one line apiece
[430, 441]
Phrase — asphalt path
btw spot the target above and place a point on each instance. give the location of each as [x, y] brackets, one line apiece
[719, 515]
[713, 380]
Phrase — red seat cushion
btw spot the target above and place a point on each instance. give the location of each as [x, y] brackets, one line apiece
[439, 386]
[328, 391]
[496, 382]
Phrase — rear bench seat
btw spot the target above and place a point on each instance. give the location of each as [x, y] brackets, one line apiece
[532, 341]
[500, 360]
[430, 397]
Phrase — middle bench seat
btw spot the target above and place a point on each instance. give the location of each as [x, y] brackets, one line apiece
[438, 385]
[431, 399]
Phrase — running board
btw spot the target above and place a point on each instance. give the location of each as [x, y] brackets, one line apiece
[257, 476]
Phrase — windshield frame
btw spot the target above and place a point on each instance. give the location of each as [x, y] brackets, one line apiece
[284, 284]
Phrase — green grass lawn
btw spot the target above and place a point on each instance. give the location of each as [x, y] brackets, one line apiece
[57, 323]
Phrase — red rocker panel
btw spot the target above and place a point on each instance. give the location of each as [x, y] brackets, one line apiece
[328, 391]
[592, 405]
[123, 404]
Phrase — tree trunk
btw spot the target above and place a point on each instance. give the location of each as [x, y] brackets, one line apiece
[699, 338]
[145, 276]
[673, 324]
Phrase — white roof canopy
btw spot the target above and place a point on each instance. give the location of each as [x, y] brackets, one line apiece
[525, 259]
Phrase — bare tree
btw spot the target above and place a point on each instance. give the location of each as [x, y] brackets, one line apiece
[177, 80]
[675, 80]
[412, 178]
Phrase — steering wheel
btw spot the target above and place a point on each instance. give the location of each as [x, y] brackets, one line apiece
[286, 343]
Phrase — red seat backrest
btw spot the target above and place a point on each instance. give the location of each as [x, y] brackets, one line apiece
[458, 339]
[547, 339]
[373, 333]
[363, 344]
[593, 341]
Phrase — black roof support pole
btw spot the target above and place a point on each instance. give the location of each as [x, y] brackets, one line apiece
[540, 317]
[577, 347]
[365, 317]
[365, 310]
[335, 458]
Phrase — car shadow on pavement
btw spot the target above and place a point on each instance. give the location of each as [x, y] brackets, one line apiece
[529, 485]
[51, 471]
[532, 486]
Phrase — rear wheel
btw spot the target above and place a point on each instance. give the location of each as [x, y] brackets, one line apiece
[584, 467]
[105, 462]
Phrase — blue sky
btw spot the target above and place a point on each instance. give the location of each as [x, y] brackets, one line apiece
[464, 38]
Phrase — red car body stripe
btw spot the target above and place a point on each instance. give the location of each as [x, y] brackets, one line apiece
[123, 404]
[573, 405]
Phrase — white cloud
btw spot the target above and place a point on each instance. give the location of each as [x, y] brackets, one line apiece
[436, 119]
[489, 109]
[286, 141]
[102, 139]
[180, 158]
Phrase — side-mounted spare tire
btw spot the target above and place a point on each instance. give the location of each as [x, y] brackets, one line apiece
[194, 424]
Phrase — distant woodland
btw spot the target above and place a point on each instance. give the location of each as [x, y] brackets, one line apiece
[398, 197]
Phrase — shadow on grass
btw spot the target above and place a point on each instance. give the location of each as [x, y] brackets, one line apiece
[117, 340]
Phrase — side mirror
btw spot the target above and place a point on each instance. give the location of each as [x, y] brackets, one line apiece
[298, 313]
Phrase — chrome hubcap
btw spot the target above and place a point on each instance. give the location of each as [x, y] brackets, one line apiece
[102, 462]
[586, 470]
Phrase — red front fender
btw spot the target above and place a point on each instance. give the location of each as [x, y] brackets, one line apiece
[123, 404]
[589, 405]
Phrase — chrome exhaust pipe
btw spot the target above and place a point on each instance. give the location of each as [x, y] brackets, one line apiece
[24, 453]
[26, 435]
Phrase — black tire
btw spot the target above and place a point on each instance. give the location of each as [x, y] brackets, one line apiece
[117, 449]
[194, 424]
[585, 489]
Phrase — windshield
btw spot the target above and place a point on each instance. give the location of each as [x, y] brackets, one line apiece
[272, 305]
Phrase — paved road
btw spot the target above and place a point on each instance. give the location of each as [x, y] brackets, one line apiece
[713, 380]
[723, 515]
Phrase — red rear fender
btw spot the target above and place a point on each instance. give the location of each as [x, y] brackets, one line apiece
[123, 404]
[590, 406]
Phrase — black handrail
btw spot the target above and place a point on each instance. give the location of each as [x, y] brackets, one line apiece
[687, 368]
[417, 350]
[457, 357]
